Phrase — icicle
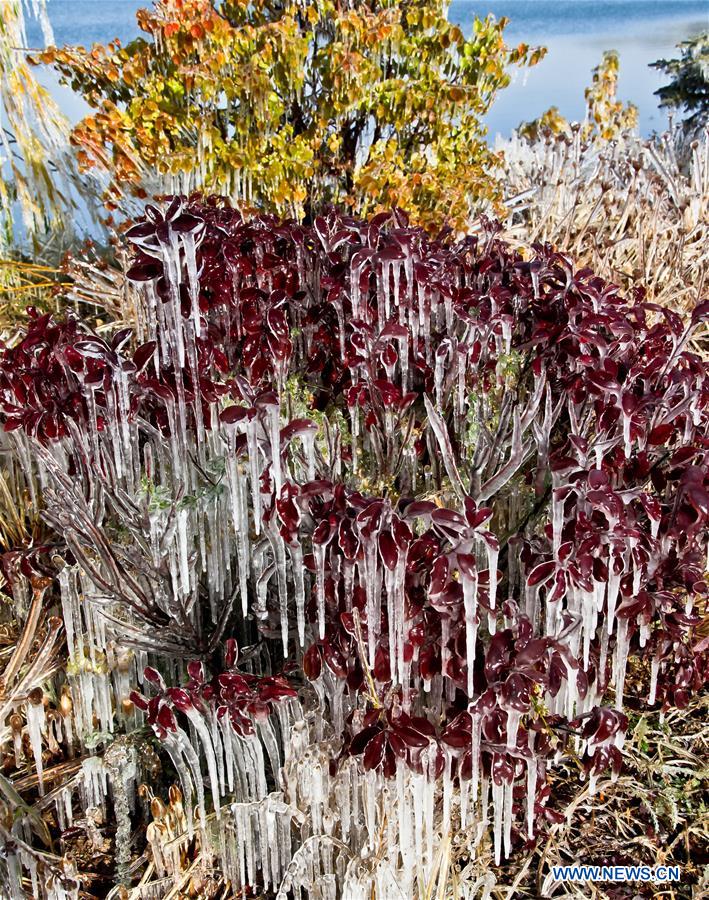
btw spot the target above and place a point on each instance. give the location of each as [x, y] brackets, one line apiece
[491, 623]
[507, 816]
[438, 373]
[183, 549]
[531, 791]
[588, 618]
[627, 442]
[319, 551]
[621, 659]
[492, 555]
[240, 518]
[506, 334]
[34, 710]
[197, 720]
[392, 622]
[462, 370]
[404, 362]
[513, 719]
[274, 427]
[120, 762]
[372, 585]
[447, 795]
[637, 575]
[654, 527]
[404, 819]
[396, 609]
[470, 589]
[308, 442]
[464, 794]
[396, 269]
[356, 267]
[531, 608]
[643, 633]
[557, 515]
[173, 748]
[654, 671]
[279, 552]
[189, 246]
[252, 446]
[613, 589]
[383, 291]
[429, 804]
[417, 785]
[16, 729]
[296, 555]
[475, 761]
[448, 311]
[354, 431]
[498, 806]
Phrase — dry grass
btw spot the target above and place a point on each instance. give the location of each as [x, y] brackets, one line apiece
[635, 211]
[656, 813]
[24, 284]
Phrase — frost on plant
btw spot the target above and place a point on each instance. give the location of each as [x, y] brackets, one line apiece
[366, 530]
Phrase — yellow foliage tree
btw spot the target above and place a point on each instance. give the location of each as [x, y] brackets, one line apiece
[291, 104]
[606, 115]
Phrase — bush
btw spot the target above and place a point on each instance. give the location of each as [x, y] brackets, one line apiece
[400, 526]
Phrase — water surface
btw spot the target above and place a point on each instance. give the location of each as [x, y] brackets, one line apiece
[576, 32]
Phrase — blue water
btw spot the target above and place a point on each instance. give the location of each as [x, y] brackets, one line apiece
[548, 18]
[89, 22]
[576, 33]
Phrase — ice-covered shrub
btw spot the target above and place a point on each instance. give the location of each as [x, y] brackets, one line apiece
[633, 209]
[375, 530]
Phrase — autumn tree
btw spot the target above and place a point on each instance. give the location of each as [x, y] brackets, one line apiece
[290, 105]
